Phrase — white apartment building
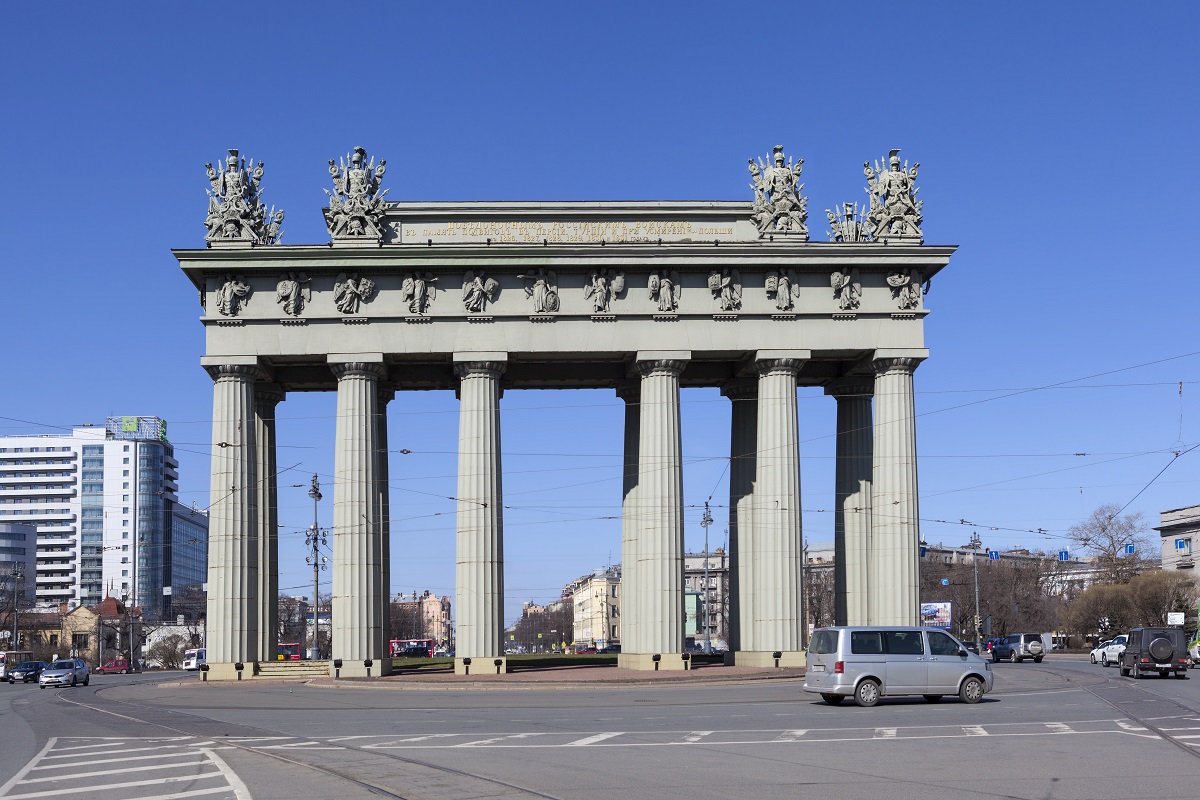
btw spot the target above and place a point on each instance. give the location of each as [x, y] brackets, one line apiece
[105, 507]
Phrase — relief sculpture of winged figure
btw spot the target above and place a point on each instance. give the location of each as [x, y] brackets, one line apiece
[664, 288]
[542, 286]
[293, 292]
[478, 291]
[726, 287]
[847, 289]
[601, 287]
[418, 290]
[784, 288]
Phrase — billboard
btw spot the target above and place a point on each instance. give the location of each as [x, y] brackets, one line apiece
[935, 615]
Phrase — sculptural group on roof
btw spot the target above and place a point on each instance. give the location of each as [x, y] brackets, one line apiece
[235, 208]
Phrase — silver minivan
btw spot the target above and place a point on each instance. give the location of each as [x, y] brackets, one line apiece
[869, 662]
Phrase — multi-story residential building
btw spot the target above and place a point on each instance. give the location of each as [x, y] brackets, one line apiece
[104, 504]
[596, 601]
[1179, 529]
[713, 596]
[18, 565]
[426, 616]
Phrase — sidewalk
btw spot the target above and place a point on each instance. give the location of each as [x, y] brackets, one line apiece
[568, 677]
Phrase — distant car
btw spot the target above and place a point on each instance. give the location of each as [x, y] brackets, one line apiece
[1194, 651]
[584, 650]
[610, 648]
[26, 671]
[972, 646]
[116, 666]
[1112, 654]
[1016, 647]
[1098, 651]
[65, 672]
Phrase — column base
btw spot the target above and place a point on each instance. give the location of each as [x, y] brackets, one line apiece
[481, 665]
[356, 669]
[219, 671]
[667, 662]
[766, 659]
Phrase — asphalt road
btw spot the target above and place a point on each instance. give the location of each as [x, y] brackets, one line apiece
[1061, 729]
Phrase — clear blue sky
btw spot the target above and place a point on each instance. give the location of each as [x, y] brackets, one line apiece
[1054, 141]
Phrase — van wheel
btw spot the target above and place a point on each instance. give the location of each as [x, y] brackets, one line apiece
[867, 693]
[72, 680]
[833, 699]
[933, 698]
[1137, 672]
[1038, 659]
[971, 690]
[85, 680]
[1181, 675]
[1014, 658]
[1124, 670]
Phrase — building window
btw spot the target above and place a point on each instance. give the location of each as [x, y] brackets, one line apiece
[124, 460]
[125, 485]
[1183, 547]
[125, 449]
[79, 641]
[124, 473]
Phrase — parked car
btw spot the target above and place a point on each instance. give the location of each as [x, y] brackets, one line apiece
[610, 648]
[973, 647]
[26, 671]
[1017, 647]
[1194, 650]
[1161, 650]
[65, 672]
[116, 666]
[867, 663]
[1098, 651]
[1111, 654]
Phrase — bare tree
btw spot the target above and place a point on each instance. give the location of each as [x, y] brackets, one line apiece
[1106, 534]
[1157, 593]
[168, 651]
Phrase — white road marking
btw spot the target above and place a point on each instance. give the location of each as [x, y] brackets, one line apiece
[885, 733]
[394, 742]
[693, 737]
[789, 736]
[599, 737]
[72, 776]
[127, 785]
[1129, 726]
[482, 742]
[1059, 727]
[974, 730]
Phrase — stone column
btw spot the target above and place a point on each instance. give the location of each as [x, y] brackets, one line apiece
[266, 397]
[630, 526]
[479, 575]
[852, 501]
[896, 533]
[386, 395]
[743, 457]
[357, 520]
[658, 571]
[233, 607]
[778, 619]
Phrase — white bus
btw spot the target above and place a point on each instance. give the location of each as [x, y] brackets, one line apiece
[12, 658]
[192, 659]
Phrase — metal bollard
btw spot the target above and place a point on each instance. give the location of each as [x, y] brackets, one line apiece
[337, 668]
[466, 666]
[657, 657]
[687, 660]
[498, 662]
[367, 663]
[239, 666]
[777, 655]
[204, 672]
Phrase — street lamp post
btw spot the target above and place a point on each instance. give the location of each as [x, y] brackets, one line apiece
[704, 523]
[975, 545]
[314, 539]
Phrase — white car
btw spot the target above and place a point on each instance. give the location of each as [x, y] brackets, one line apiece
[1194, 651]
[1110, 655]
[1098, 649]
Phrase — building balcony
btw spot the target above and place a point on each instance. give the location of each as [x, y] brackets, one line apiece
[25, 480]
[65, 492]
[53, 580]
[55, 593]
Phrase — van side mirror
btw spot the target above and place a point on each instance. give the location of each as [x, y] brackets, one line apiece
[962, 651]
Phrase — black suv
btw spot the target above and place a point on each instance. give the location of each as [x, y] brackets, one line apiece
[1161, 650]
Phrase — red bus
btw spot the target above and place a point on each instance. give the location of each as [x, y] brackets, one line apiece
[412, 648]
[289, 652]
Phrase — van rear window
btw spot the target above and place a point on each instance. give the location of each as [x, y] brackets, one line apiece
[823, 642]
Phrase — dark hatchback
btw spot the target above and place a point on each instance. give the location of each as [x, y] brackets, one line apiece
[26, 671]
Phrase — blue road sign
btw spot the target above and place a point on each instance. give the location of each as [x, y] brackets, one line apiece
[1064, 555]
[993, 555]
[945, 581]
[1129, 548]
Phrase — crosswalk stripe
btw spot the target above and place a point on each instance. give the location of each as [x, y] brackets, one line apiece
[172, 754]
[110, 786]
[974, 730]
[790, 736]
[1059, 727]
[599, 737]
[124, 770]
[885, 733]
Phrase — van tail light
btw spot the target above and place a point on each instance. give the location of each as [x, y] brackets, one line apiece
[839, 667]
[1145, 661]
[1183, 661]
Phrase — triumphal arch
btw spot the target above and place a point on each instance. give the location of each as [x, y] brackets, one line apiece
[643, 298]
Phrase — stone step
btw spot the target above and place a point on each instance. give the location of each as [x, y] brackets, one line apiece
[293, 669]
